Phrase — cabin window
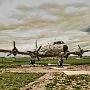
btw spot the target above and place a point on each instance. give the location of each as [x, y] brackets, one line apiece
[58, 42]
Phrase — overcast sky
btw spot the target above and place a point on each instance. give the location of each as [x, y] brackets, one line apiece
[24, 21]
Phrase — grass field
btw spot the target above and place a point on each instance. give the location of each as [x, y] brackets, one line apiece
[12, 62]
[13, 81]
[71, 60]
[62, 81]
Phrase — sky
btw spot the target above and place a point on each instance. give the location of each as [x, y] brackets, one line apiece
[24, 21]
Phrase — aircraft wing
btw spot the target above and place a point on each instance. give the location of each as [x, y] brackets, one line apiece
[71, 52]
[75, 53]
[3, 50]
[68, 53]
[86, 50]
[24, 53]
[35, 52]
[19, 52]
[78, 52]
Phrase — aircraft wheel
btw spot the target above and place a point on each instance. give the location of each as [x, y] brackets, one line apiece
[32, 62]
[60, 62]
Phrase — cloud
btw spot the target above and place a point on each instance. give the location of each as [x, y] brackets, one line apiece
[2, 1]
[49, 15]
[80, 5]
[24, 8]
[24, 24]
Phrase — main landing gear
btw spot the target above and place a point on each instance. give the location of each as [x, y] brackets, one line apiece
[60, 62]
[32, 62]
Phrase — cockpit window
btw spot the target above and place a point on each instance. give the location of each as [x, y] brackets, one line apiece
[58, 42]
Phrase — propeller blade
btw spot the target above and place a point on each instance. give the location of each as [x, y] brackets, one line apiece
[36, 44]
[86, 50]
[79, 47]
[14, 44]
[39, 48]
[9, 54]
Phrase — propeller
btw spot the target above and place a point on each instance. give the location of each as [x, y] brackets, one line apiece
[81, 51]
[36, 52]
[14, 50]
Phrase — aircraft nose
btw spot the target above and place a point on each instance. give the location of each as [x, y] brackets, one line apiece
[65, 48]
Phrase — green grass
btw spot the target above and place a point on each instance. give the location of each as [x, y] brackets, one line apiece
[62, 81]
[13, 81]
[71, 60]
[12, 62]
[74, 61]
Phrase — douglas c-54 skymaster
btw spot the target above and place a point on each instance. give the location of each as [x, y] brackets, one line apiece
[53, 49]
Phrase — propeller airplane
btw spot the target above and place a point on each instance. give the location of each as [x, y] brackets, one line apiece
[53, 49]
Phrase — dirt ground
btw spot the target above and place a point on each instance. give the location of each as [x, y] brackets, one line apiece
[49, 69]
[40, 83]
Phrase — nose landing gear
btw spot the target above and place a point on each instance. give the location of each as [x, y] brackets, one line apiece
[60, 62]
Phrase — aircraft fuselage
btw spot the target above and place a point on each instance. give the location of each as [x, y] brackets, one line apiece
[53, 49]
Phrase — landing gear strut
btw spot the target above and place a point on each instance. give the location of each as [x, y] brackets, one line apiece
[32, 62]
[60, 62]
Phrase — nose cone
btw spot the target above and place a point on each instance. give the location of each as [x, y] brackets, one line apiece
[65, 48]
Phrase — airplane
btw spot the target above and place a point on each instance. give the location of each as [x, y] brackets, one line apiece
[55, 48]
